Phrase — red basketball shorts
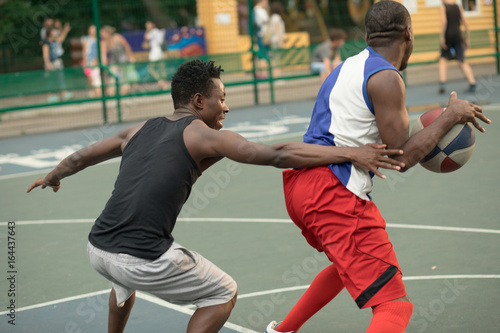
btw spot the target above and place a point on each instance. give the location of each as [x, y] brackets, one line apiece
[350, 230]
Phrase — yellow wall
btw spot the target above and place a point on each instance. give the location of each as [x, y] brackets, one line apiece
[220, 19]
[292, 40]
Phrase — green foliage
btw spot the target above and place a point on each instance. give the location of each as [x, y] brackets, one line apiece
[22, 20]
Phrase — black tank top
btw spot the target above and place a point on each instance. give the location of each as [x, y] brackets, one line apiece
[453, 18]
[154, 182]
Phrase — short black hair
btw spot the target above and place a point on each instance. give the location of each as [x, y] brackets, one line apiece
[385, 21]
[193, 77]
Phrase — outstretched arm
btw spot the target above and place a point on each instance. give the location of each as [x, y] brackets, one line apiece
[98, 152]
[64, 33]
[204, 143]
[387, 94]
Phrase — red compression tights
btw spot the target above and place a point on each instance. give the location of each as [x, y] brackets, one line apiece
[325, 286]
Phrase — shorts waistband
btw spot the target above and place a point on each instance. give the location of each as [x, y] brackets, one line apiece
[117, 257]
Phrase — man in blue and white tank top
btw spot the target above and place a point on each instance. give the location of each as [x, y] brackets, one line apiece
[362, 102]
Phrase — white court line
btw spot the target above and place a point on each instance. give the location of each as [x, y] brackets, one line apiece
[405, 278]
[23, 174]
[186, 310]
[57, 301]
[117, 160]
[412, 116]
[45, 171]
[140, 295]
[42, 222]
[263, 220]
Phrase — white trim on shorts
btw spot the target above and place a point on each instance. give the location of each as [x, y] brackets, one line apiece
[178, 276]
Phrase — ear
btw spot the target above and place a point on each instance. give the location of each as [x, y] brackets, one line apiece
[366, 38]
[198, 100]
[408, 33]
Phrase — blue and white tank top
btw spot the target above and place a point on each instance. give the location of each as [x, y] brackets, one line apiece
[343, 116]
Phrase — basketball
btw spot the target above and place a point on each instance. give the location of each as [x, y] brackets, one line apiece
[454, 149]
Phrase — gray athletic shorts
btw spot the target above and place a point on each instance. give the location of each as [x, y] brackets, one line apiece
[178, 276]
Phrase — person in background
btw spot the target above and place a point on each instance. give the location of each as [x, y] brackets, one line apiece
[51, 50]
[453, 44]
[118, 51]
[260, 21]
[156, 38]
[326, 56]
[91, 61]
[48, 23]
[277, 26]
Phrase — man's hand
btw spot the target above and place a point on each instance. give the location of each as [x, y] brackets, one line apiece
[43, 182]
[466, 111]
[373, 156]
[443, 43]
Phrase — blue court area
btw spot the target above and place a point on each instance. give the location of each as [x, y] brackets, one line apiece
[88, 313]
[445, 229]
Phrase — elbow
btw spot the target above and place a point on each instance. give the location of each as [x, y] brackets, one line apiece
[75, 161]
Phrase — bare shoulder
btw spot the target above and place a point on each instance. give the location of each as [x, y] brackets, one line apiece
[387, 81]
[198, 139]
[197, 133]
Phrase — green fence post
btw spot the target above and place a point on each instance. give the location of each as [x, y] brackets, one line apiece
[95, 10]
[271, 79]
[117, 92]
[118, 97]
[252, 45]
[496, 35]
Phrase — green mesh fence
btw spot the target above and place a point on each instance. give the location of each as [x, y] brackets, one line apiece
[136, 88]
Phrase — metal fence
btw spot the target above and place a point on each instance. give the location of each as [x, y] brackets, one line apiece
[136, 88]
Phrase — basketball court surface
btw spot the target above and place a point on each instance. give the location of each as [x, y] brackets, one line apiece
[445, 229]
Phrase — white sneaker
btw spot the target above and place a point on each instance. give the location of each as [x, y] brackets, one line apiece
[272, 326]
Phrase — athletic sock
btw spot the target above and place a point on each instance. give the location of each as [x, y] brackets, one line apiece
[325, 286]
[390, 317]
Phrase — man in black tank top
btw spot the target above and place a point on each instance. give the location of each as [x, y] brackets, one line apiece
[453, 44]
[131, 242]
